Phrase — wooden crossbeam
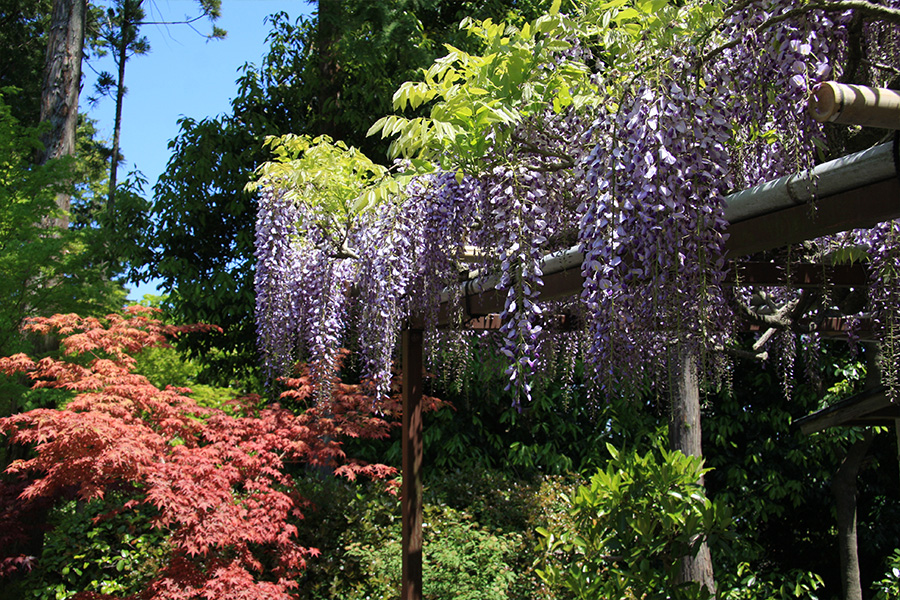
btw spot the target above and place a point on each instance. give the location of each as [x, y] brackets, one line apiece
[871, 407]
[861, 208]
[831, 327]
[480, 308]
[804, 275]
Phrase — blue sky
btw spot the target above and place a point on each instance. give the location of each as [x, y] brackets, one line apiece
[183, 75]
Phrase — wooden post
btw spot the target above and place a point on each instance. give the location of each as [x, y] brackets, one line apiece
[685, 435]
[411, 491]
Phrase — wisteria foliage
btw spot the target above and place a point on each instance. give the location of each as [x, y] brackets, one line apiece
[628, 125]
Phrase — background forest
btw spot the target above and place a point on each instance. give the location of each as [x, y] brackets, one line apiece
[148, 452]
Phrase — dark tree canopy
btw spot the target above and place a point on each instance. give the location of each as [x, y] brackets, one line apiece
[23, 26]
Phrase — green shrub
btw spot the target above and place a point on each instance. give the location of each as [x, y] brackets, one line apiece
[91, 549]
[629, 529]
[888, 588]
[166, 366]
[462, 559]
[750, 585]
[479, 539]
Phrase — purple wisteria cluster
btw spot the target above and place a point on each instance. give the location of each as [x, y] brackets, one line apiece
[653, 229]
[774, 135]
[766, 77]
[276, 258]
[294, 264]
[637, 180]
[884, 294]
[514, 212]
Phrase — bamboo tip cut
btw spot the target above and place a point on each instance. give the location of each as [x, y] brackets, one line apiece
[855, 105]
[822, 105]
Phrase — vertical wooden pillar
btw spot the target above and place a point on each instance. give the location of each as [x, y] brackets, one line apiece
[685, 435]
[411, 491]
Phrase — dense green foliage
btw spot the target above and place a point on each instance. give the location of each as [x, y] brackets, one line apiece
[630, 527]
[42, 270]
[764, 466]
[560, 431]
[888, 588]
[22, 36]
[479, 536]
[92, 547]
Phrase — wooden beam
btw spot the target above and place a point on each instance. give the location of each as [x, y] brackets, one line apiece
[870, 407]
[863, 207]
[481, 310]
[797, 275]
[856, 209]
[841, 328]
[411, 490]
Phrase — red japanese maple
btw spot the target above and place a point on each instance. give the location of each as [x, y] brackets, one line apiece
[217, 481]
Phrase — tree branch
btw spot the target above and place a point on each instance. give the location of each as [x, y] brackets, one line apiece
[738, 353]
[877, 11]
[345, 251]
[785, 318]
[564, 161]
[881, 66]
[873, 11]
[185, 22]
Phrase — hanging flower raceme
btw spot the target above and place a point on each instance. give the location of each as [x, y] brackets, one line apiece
[322, 226]
[884, 293]
[653, 231]
[774, 134]
[278, 259]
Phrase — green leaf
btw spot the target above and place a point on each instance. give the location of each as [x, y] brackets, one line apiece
[650, 7]
[626, 15]
[378, 126]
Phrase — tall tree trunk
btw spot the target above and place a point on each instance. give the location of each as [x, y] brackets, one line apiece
[328, 33]
[121, 51]
[685, 435]
[62, 87]
[128, 33]
[843, 486]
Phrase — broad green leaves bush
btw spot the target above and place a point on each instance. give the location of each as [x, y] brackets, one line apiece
[630, 528]
[94, 547]
[476, 99]
[479, 539]
[888, 588]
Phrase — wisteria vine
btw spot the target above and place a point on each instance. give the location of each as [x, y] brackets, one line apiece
[634, 174]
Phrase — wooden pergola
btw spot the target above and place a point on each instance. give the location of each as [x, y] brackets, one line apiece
[854, 192]
[869, 408]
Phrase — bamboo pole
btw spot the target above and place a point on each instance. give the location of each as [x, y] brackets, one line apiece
[855, 105]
